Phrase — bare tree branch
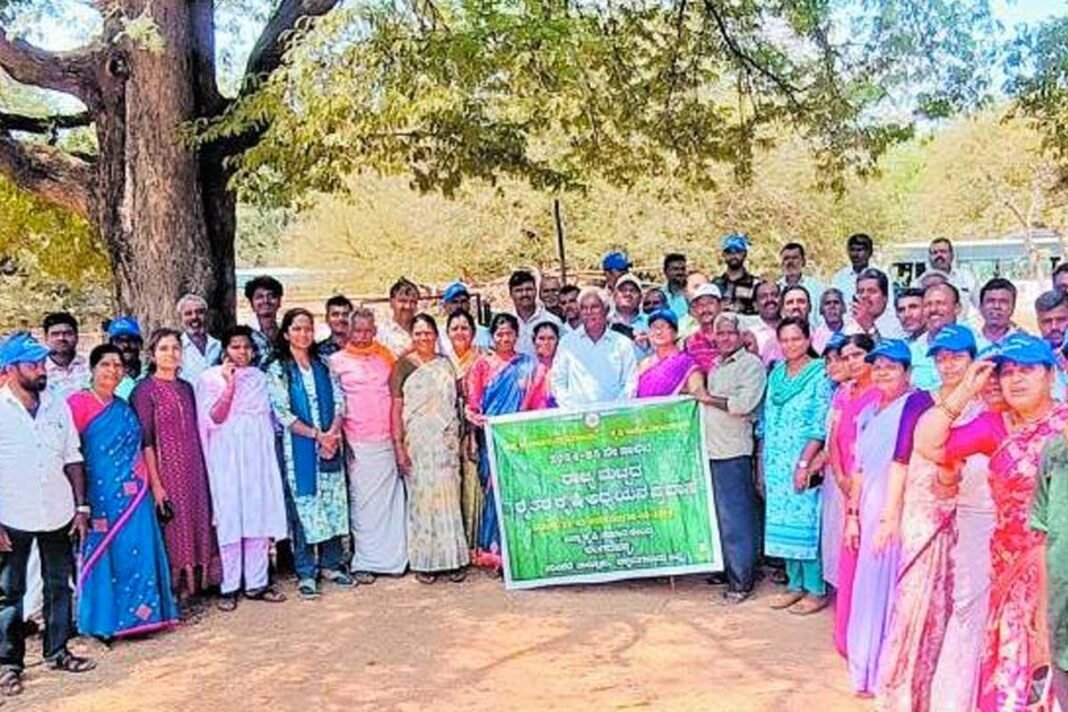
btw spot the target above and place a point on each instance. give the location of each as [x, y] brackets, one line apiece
[267, 54]
[747, 61]
[68, 72]
[52, 174]
[43, 124]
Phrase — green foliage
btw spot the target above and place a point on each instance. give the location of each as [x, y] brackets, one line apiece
[959, 182]
[1038, 65]
[49, 260]
[562, 94]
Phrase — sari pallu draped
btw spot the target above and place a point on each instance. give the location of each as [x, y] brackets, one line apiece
[505, 393]
[666, 377]
[124, 585]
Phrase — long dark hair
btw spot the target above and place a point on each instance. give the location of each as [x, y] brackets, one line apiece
[282, 352]
[805, 328]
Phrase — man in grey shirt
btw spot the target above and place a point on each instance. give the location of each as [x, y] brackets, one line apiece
[736, 388]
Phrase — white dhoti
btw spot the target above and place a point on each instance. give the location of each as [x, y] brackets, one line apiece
[377, 509]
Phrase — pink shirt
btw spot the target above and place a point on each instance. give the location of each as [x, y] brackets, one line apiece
[365, 383]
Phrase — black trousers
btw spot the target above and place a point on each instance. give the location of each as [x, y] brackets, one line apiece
[57, 569]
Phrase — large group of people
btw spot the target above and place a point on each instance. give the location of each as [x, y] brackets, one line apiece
[899, 452]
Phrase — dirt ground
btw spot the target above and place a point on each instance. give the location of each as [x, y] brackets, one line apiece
[401, 645]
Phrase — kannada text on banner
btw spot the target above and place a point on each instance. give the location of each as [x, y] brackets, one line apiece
[606, 493]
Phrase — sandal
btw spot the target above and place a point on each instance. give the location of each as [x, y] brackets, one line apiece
[10, 682]
[458, 575]
[784, 600]
[339, 578]
[227, 602]
[426, 578]
[69, 662]
[364, 578]
[307, 590]
[808, 605]
[267, 594]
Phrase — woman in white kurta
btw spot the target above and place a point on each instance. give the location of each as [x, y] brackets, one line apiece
[234, 416]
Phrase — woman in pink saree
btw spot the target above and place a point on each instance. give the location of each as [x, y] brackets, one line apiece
[847, 404]
[920, 514]
[670, 370]
[1014, 668]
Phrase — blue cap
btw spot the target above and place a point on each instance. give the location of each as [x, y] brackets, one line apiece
[454, 291]
[735, 242]
[615, 261]
[124, 326]
[836, 342]
[21, 348]
[1022, 348]
[667, 315]
[893, 349]
[953, 337]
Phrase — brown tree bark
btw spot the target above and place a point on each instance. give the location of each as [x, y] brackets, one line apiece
[163, 207]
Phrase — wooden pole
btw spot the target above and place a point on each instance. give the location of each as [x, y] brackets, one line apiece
[561, 255]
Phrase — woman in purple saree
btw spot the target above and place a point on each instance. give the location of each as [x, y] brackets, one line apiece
[124, 587]
[669, 371]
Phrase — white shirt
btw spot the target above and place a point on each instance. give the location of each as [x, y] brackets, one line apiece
[64, 381]
[587, 371]
[887, 324]
[35, 494]
[195, 363]
[525, 344]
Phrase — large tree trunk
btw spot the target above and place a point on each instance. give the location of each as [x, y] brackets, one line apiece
[164, 209]
[154, 205]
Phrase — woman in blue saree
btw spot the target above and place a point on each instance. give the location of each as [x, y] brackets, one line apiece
[124, 586]
[499, 383]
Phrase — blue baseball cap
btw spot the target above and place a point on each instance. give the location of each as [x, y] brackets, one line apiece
[894, 349]
[21, 348]
[735, 242]
[836, 342]
[615, 261]
[667, 315]
[1023, 349]
[953, 337]
[124, 326]
[455, 291]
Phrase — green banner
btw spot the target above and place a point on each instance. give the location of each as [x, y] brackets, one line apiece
[604, 493]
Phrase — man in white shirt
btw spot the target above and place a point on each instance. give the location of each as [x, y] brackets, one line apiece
[200, 350]
[66, 371]
[594, 364]
[395, 333]
[859, 248]
[42, 500]
[870, 312]
[792, 259]
[524, 292]
[940, 257]
[909, 307]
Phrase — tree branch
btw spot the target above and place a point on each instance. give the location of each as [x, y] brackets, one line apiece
[747, 61]
[49, 173]
[267, 54]
[68, 72]
[43, 124]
